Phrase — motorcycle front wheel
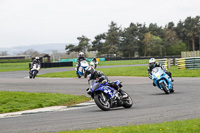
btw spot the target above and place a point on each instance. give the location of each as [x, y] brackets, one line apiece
[165, 89]
[34, 74]
[102, 102]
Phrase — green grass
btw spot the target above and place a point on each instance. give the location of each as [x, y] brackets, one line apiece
[18, 101]
[185, 126]
[122, 62]
[14, 60]
[5, 67]
[140, 71]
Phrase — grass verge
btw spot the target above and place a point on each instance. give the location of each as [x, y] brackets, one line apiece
[185, 126]
[6, 67]
[18, 101]
[140, 71]
[123, 62]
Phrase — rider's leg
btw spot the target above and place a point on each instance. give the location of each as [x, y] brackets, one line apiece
[170, 74]
[114, 85]
[77, 67]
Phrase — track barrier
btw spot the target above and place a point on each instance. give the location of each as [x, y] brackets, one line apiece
[189, 63]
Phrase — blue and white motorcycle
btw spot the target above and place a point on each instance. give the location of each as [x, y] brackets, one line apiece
[81, 70]
[162, 80]
[107, 97]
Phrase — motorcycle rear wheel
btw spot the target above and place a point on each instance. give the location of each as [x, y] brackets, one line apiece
[85, 75]
[165, 88]
[127, 102]
[104, 105]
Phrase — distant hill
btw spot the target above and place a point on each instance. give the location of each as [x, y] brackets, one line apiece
[42, 48]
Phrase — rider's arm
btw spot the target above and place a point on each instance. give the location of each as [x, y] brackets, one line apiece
[162, 67]
[83, 58]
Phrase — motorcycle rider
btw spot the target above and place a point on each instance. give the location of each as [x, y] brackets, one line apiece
[79, 59]
[94, 59]
[100, 77]
[153, 64]
[35, 61]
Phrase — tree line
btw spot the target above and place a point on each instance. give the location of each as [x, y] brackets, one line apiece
[141, 40]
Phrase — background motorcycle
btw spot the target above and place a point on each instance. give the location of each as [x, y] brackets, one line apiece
[81, 70]
[162, 80]
[107, 97]
[94, 64]
[34, 71]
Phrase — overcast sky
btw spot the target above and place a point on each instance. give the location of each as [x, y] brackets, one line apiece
[27, 22]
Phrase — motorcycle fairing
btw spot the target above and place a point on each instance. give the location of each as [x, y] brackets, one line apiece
[159, 76]
[104, 88]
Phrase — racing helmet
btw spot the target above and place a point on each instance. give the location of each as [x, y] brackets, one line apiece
[37, 58]
[152, 62]
[89, 70]
[81, 54]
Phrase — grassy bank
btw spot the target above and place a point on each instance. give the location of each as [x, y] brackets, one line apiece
[119, 62]
[18, 101]
[185, 126]
[122, 62]
[140, 71]
[6, 67]
[14, 60]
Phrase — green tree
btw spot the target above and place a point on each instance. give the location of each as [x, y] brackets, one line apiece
[82, 46]
[191, 26]
[147, 44]
[129, 42]
[83, 43]
[98, 43]
[153, 45]
[112, 39]
[157, 47]
[71, 48]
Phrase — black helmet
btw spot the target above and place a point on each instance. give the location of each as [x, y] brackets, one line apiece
[89, 70]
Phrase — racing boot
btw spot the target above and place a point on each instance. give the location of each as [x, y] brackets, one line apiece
[88, 91]
[118, 98]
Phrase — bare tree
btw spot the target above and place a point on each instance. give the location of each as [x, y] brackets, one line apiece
[3, 53]
[31, 53]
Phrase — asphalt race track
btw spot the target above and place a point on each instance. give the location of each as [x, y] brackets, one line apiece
[150, 105]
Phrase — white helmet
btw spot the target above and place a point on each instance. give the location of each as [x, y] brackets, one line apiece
[152, 62]
[37, 58]
[81, 54]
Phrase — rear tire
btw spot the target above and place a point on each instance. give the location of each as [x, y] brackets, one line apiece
[85, 75]
[127, 102]
[78, 75]
[172, 90]
[165, 89]
[104, 105]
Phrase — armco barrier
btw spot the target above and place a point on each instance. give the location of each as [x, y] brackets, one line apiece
[189, 63]
[163, 62]
[56, 64]
[75, 60]
[138, 58]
